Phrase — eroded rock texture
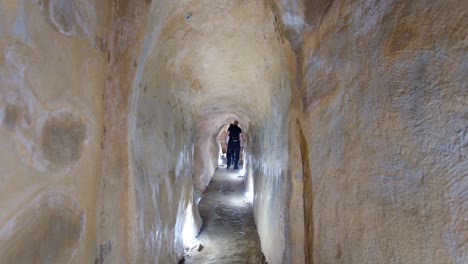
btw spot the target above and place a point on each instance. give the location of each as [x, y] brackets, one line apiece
[47, 230]
[354, 113]
[385, 101]
[50, 129]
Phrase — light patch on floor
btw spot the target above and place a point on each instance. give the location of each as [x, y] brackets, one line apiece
[229, 234]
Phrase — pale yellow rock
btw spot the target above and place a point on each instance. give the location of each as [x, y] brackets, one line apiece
[354, 114]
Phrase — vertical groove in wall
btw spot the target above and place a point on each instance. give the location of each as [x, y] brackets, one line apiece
[113, 220]
[308, 198]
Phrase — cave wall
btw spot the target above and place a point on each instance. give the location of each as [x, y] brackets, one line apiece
[384, 121]
[53, 65]
[162, 216]
[269, 159]
[97, 168]
[117, 205]
[207, 148]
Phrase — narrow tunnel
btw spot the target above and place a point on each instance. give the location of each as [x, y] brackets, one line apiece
[354, 115]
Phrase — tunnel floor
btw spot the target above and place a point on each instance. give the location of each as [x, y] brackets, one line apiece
[229, 234]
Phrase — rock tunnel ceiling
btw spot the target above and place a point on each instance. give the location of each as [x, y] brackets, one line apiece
[237, 75]
[110, 113]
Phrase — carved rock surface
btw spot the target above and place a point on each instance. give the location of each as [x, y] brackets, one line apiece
[47, 230]
[384, 99]
[354, 116]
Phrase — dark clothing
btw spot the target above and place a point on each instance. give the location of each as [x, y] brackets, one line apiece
[234, 132]
[233, 147]
[233, 151]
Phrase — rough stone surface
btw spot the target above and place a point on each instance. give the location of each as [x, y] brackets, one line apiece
[47, 230]
[384, 125]
[355, 115]
[51, 118]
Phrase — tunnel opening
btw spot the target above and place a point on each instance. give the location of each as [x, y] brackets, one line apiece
[223, 204]
[223, 145]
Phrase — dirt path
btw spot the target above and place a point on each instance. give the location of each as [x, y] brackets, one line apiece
[229, 234]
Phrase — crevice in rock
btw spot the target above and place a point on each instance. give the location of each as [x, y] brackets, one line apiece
[308, 197]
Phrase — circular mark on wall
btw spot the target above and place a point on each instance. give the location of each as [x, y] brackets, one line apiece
[46, 230]
[10, 116]
[70, 17]
[62, 139]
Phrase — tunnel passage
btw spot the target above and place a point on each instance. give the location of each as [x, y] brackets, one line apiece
[229, 234]
[356, 114]
[188, 87]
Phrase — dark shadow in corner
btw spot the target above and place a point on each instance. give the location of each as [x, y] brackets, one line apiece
[308, 201]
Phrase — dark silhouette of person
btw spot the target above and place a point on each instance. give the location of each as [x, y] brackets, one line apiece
[234, 144]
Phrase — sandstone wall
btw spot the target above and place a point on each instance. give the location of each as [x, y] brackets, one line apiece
[109, 102]
[384, 123]
[207, 147]
[356, 113]
[162, 214]
[53, 63]
[271, 186]
[117, 208]
[96, 169]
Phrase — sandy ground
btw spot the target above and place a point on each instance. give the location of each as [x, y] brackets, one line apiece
[229, 234]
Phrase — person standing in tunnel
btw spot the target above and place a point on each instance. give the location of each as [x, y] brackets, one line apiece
[234, 143]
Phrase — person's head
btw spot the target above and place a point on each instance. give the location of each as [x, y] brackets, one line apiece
[236, 122]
